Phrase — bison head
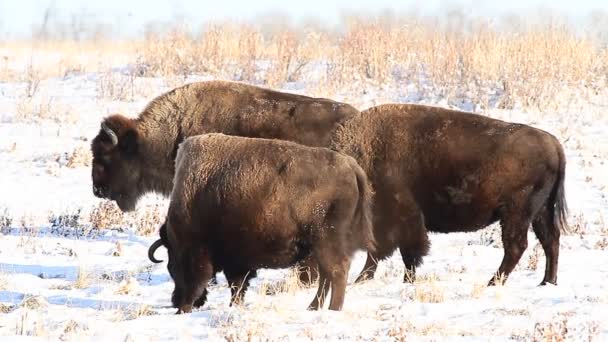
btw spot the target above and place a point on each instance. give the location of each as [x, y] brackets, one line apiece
[116, 168]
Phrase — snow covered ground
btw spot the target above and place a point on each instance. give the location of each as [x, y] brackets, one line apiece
[73, 268]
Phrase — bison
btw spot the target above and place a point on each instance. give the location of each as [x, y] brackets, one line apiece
[441, 170]
[132, 157]
[239, 204]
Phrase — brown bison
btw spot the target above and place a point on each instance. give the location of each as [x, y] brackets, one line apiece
[239, 204]
[446, 171]
[132, 157]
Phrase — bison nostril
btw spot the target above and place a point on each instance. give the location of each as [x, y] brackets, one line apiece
[100, 191]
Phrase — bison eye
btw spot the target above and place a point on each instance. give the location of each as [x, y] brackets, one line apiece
[102, 161]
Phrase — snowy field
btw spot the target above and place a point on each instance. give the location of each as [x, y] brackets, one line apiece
[72, 267]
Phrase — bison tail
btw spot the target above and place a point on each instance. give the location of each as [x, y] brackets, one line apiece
[158, 243]
[363, 214]
[557, 199]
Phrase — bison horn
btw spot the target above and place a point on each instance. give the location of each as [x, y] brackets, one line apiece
[110, 133]
[153, 249]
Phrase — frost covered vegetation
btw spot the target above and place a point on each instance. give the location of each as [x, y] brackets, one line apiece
[74, 267]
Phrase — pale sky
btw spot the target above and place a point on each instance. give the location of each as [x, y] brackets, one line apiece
[17, 17]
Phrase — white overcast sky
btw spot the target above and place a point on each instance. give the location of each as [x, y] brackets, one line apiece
[17, 17]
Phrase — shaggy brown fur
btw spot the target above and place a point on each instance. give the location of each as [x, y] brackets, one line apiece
[239, 204]
[143, 159]
[448, 171]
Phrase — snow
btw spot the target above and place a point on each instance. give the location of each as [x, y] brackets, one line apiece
[73, 282]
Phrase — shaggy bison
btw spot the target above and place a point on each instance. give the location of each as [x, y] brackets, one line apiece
[239, 204]
[132, 157]
[446, 171]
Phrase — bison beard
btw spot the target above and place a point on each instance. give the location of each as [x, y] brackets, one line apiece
[239, 204]
[445, 171]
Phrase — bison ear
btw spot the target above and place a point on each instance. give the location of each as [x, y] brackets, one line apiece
[128, 142]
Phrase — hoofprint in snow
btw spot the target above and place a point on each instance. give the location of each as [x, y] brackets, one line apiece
[62, 276]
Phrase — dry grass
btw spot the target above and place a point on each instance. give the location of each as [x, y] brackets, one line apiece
[427, 289]
[289, 285]
[43, 108]
[6, 221]
[79, 157]
[73, 330]
[33, 302]
[536, 253]
[602, 244]
[478, 289]
[528, 66]
[5, 308]
[106, 215]
[128, 286]
[555, 330]
[138, 311]
[30, 324]
[117, 250]
[506, 64]
[149, 219]
[578, 225]
[83, 279]
[3, 282]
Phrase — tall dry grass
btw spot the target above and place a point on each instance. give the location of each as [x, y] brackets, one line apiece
[526, 65]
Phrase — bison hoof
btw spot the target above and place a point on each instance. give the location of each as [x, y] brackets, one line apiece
[199, 303]
[313, 307]
[363, 277]
[547, 282]
[184, 309]
[497, 281]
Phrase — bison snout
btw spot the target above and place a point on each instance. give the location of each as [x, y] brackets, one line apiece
[100, 192]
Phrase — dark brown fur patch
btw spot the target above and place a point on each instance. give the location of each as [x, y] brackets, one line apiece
[230, 210]
[440, 170]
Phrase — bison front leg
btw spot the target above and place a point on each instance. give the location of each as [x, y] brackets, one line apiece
[331, 275]
[177, 298]
[238, 282]
[333, 271]
[201, 300]
[196, 269]
[322, 290]
[338, 285]
[414, 246]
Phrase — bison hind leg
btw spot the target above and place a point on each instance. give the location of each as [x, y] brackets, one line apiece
[322, 290]
[548, 235]
[515, 242]
[525, 206]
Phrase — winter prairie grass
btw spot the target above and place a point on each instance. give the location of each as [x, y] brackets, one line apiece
[539, 64]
